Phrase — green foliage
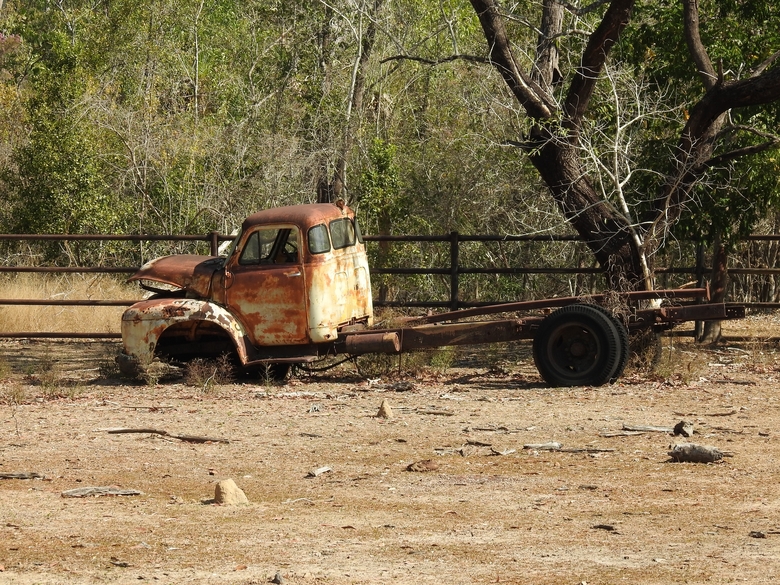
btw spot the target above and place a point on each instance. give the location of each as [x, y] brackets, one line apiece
[739, 35]
[164, 116]
[380, 187]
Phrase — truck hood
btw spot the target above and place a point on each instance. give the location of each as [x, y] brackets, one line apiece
[188, 272]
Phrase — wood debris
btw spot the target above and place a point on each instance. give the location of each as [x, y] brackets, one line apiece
[647, 428]
[85, 492]
[22, 475]
[186, 438]
[423, 466]
[552, 446]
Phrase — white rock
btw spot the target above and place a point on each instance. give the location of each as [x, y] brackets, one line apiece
[229, 494]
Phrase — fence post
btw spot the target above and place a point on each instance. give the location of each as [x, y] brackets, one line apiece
[454, 269]
[699, 325]
[214, 239]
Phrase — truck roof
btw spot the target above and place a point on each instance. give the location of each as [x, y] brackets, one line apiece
[304, 215]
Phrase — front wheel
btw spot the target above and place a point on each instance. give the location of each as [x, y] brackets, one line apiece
[271, 372]
[578, 345]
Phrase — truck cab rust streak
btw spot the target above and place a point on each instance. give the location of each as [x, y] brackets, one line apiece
[293, 280]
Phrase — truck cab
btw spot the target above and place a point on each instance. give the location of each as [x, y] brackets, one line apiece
[293, 281]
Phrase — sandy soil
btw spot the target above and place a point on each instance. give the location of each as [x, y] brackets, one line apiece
[612, 510]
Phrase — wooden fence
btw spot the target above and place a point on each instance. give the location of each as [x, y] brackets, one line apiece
[453, 272]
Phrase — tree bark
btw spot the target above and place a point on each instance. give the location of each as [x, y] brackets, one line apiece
[719, 282]
[552, 144]
[331, 188]
[603, 229]
[707, 118]
[553, 150]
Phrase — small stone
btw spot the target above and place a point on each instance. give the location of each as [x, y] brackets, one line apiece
[756, 534]
[684, 428]
[692, 453]
[422, 466]
[229, 494]
[319, 471]
[384, 410]
[278, 579]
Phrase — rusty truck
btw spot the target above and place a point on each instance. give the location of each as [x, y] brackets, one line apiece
[295, 287]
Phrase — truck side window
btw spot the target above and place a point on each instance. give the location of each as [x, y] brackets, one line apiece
[319, 242]
[342, 231]
[287, 251]
[259, 247]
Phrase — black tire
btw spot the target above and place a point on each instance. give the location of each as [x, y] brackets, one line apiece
[625, 344]
[277, 372]
[578, 345]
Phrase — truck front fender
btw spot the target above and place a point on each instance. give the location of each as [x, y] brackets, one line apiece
[144, 323]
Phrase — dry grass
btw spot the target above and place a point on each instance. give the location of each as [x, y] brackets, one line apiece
[208, 374]
[63, 318]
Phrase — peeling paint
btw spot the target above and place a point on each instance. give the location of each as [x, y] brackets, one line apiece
[273, 290]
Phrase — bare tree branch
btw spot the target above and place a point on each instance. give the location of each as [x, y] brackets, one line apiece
[471, 58]
[533, 98]
[766, 63]
[770, 141]
[695, 46]
[753, 91]
[740, 152]
[595, 55]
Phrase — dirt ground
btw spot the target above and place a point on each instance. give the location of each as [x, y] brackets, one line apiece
[611, 509]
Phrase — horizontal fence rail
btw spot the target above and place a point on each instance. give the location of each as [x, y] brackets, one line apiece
[452, 273]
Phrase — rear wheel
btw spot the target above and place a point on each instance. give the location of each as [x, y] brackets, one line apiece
[579, 345]
[625, 343]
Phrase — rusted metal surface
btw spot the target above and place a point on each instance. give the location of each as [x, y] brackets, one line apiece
[381, 342]
[68, 303]
[188, 272]
[295, 286]
[429, 336]
[684, 293]
[58, 335]
[144, 324]
[666, 317]
[294, 277]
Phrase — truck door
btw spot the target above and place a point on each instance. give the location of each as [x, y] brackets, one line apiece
[265, 286]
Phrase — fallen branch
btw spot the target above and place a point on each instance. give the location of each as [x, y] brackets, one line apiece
[561, 449]
[187, 438]
[610, 434]
[647, 429]
[23, 475]
[435, 411]
[727, 413]
[543, 446]
[84, 492]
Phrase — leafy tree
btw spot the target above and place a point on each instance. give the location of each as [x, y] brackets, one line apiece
[58, 182]
[558, 81]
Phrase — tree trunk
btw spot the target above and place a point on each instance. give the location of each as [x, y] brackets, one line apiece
[719, 282]
[553, 139]
[333, 188]
[604, 230]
